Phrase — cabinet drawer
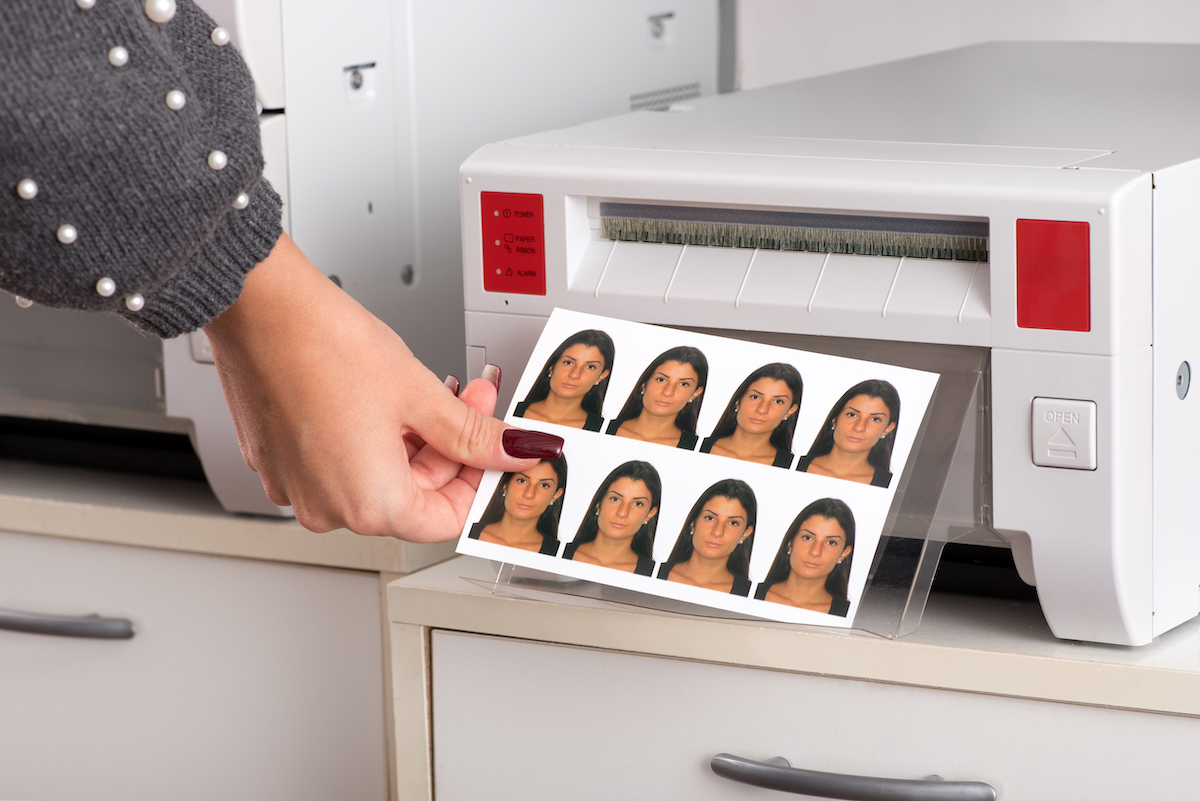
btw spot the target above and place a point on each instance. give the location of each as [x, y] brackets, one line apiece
[514, 718]
[245, 680]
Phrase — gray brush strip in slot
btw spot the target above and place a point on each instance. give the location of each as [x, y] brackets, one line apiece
[796, 219]
[784, 230]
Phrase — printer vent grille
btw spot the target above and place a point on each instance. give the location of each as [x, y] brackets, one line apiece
[661, 99]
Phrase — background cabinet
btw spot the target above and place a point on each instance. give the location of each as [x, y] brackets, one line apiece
[245, 680]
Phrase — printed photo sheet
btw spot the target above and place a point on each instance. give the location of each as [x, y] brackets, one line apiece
[797, 543]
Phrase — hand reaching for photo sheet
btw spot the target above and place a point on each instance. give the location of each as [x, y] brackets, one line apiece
[342, 422]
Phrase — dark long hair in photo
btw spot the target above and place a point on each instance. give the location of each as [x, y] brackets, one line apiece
[643, 540]
[739, 561]
[837, 583]
[547, 524]
[781, 437]
[593, 401]
[880, 456]
[686, 419]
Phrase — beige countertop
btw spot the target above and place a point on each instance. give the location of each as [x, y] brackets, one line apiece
[181, 515]
[964, 643]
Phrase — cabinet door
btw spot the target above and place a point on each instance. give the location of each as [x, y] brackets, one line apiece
[514, 719]
[245, 680]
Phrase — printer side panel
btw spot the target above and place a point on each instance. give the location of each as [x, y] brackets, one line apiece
[1090, 530]
[1176, 428]
[1090, 519]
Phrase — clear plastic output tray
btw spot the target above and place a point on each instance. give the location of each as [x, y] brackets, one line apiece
[943, 494]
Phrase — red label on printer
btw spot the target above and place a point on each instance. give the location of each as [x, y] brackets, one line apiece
[514, 236]
[1053, 275]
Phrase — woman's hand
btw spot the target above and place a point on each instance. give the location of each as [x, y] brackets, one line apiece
[339, 418]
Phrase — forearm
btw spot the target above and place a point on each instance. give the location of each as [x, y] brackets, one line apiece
[285, 301]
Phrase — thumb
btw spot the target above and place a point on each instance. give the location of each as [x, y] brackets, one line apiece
[463, 430]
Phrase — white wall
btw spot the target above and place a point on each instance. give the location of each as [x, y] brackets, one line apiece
[782, 40]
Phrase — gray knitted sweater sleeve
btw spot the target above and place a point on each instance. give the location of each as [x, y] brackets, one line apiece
[104, 175]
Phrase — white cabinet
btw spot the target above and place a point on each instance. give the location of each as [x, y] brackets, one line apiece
[504, 692]
[245, 680]
[520, 719]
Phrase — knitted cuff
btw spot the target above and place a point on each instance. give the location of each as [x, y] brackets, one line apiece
[211, 279]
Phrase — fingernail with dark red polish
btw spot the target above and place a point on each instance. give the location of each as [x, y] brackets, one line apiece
[524, 444]
[491, 373]
[452, 383]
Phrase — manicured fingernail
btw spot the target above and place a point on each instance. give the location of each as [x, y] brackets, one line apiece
[491, 373]
[452, 384]
[531, 444]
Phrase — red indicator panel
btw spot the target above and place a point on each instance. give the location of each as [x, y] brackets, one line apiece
[1054, 289]
[514, 256]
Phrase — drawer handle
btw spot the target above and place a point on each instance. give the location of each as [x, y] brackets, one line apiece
[777, 774]
[93, 626]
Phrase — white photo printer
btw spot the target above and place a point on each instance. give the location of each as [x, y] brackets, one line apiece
[1032, 206]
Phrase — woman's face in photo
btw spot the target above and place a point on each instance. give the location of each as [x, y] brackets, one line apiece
[817, 547]
[721, 525]
[624, 508]
[579, 369]
[862, 422]
[764, 405]
[531, 491]
[670, 387]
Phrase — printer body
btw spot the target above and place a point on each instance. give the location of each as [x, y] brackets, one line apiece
[1071, 171]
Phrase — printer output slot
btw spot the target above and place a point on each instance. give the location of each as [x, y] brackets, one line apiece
[819, 232]
[832, 294]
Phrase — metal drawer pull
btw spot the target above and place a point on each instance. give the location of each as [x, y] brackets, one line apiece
[93, 626]
[778, 774]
